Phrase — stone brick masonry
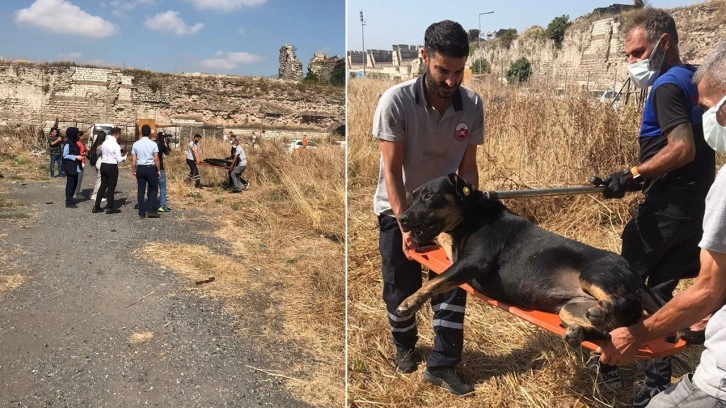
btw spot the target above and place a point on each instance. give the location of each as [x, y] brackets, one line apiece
[39, 93]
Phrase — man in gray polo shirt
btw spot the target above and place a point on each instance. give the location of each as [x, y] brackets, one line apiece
[428, 127]
[145, 167]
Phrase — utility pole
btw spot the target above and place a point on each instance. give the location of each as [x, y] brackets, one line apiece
[478, 45]
[363, 39]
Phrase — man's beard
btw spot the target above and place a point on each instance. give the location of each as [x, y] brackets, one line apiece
[438, 88]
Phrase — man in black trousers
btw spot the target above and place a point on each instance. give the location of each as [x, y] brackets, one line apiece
[145, 168]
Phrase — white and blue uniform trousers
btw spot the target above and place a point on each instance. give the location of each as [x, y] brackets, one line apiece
[401, 278]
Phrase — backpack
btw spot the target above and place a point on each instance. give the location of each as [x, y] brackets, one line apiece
[92, 156]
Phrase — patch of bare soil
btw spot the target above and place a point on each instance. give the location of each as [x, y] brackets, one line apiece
[94, 313]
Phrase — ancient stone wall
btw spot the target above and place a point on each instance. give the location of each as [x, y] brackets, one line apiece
[38, 94]
[323, 66]
[592, 51]
[290, 67]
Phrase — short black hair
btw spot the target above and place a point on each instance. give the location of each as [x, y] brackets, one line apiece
[145, 130]
[115, 131]
[447, 37]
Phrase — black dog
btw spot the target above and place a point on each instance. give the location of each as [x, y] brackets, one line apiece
[512, 260]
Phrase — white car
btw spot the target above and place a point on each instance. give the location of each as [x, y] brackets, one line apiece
[298, 144]
[92, 132]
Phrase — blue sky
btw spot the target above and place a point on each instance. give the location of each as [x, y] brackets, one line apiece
[238, 37]
[405, 21]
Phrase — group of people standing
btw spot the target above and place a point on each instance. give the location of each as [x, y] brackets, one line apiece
[668, 238]
[104, 156]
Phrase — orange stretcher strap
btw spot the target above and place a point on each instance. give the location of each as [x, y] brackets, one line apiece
[435, 259]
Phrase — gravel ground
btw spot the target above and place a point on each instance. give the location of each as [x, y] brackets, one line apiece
[68, 334]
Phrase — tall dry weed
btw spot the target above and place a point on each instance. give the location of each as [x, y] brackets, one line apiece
[23, 152]
[287, 238]
[535, 138]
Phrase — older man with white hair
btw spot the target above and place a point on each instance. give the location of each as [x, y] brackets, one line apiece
[706, 387]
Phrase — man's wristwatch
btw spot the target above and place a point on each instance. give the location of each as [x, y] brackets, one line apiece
[634, 172]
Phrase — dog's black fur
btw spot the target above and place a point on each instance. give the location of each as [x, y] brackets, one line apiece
[512, 260]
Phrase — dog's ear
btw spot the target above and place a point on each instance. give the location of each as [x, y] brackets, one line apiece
[462, 187]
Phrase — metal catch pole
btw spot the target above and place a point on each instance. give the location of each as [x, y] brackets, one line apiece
[597, 187]
[544, 192]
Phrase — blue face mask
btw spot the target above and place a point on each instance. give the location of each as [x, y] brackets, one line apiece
[641, 72]
[714, 132]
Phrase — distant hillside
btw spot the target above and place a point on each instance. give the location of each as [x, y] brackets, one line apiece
[592, 50]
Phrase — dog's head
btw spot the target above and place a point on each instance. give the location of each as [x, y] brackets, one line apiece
[437, 206]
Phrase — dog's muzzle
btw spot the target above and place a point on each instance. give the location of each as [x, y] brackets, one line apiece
[420, 233]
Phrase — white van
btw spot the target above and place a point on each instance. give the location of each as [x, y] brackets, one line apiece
[93, 132]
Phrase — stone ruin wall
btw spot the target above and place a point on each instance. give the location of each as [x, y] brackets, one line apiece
[39, 93]
[323, 66]
[592, 51]
[290, 68]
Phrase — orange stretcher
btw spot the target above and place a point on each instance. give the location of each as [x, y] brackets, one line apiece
[435, 259]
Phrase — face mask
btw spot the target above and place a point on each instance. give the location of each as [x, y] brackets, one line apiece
[640, 72]
[713, 132]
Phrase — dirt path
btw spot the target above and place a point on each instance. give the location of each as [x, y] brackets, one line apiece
[89, 323]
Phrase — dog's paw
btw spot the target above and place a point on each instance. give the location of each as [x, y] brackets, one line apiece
[408, 307]
[574, 335]
[692, 336]
[606, 306]
[595, 315]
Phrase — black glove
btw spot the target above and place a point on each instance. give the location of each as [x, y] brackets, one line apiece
[616, 184]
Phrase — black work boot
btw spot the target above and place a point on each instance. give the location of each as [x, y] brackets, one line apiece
[407, 360]
[96, 210]
[447, 378]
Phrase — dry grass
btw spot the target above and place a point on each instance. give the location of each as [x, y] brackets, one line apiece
[283, 246]
[533, 139]
[23, 153]
[11, 282]
[141, 337]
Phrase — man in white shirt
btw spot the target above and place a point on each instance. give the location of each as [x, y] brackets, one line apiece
[239, 164]
[145, 168]
[110, 158]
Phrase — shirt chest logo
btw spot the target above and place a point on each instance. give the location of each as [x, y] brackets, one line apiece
[461, 132]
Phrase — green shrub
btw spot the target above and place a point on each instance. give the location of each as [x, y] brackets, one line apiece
[519, 72]
[481, 66]
[506, 37]
[556, 29]
[311, 78]
[337, 77]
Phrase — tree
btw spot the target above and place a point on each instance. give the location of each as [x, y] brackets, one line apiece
[481, 66]
[337, 77]
[311, 78]
[519, 72]
[556, 29]
[507, 36]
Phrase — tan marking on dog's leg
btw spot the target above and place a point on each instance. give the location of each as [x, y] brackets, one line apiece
[596, 291]
[607, 301]
[445, 241]
[428, 290]
[574, 317]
